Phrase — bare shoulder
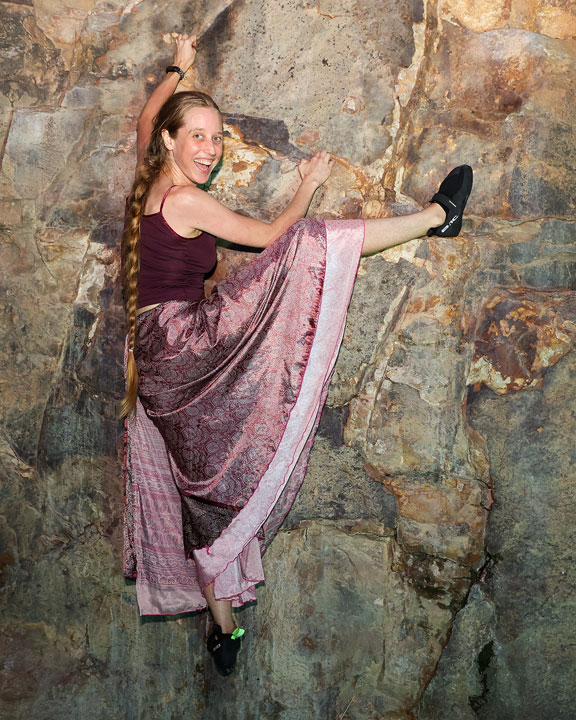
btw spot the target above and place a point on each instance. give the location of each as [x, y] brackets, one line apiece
[185, 191]
[185, 207]
[187, 196]
[188, 209]
[191, 199]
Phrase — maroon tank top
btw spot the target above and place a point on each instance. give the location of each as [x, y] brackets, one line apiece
[172, 267]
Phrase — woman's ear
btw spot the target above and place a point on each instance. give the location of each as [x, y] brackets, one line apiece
[168, 142]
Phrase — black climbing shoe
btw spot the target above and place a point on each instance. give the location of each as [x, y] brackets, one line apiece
[224, 648]
[453, 195]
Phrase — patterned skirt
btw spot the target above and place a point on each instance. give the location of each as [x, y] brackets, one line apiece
[230, 394]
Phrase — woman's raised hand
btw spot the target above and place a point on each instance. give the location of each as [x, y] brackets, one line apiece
[317, 169]
[184, 50]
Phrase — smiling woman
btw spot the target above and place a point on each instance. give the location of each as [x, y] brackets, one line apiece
[196, 148]
[224, 393]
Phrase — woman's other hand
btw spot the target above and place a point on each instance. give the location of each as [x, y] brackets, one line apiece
[184, 50]
[317, 169]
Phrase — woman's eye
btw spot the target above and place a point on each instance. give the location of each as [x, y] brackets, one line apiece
[198, 136]
[218, 139]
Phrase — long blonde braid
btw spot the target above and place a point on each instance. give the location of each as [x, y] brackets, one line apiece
[170, 118]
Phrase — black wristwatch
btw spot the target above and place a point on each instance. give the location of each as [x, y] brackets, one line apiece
[175, 68]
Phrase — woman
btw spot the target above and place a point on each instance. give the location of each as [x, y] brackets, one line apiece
[227, 391]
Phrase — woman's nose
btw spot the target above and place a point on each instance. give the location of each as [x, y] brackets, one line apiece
[210, 147]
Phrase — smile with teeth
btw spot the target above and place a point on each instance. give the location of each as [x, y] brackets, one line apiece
[203, 165]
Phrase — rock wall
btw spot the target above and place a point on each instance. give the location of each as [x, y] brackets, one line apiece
[426, 570]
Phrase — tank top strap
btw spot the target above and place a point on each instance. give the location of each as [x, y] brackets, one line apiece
[165, 196]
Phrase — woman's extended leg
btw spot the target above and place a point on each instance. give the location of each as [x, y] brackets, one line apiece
[443, 217]
[387, 232]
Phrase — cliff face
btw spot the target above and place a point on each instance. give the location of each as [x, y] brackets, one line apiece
[427, 568]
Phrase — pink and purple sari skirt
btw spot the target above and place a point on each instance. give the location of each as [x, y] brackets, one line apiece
[231, 389]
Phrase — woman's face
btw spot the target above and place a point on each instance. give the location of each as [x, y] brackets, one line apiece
[197, 147]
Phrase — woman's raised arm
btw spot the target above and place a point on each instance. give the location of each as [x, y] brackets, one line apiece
[184, 55]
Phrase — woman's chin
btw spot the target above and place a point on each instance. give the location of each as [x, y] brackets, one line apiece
[200, 178]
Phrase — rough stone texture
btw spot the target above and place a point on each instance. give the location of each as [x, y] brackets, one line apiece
[426, 569]
[515, 640]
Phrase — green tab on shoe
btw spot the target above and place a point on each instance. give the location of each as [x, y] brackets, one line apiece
[237, 634]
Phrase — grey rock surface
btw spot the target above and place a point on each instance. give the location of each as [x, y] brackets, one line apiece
[425, 571]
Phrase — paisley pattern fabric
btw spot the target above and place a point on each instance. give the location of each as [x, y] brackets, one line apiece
[231, 389]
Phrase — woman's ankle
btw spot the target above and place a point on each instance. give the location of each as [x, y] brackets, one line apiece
[228, 627]
[437, 214]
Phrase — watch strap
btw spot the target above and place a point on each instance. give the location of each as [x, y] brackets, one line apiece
[175, 68]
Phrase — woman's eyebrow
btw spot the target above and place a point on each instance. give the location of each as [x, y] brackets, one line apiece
[218, 132]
